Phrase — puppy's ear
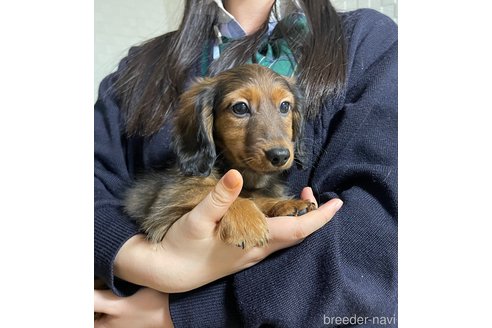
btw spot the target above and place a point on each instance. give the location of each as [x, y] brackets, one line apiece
[193, 129]
[298, 124]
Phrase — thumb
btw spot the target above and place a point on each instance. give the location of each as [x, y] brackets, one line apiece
[217, 202]
[106, 302]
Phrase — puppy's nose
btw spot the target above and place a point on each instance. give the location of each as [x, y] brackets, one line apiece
[278, 156]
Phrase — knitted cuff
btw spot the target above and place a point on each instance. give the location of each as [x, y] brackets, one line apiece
[112, 228]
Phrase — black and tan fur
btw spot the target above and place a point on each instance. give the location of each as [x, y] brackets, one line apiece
[213, 133]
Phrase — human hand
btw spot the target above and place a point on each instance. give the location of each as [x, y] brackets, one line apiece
[147, 308]
[191, 255]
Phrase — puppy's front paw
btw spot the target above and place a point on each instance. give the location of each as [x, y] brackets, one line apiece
[292, 207]
[244, 225]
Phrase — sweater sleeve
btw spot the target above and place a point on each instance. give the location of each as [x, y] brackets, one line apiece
[347, 269]
[112, 228]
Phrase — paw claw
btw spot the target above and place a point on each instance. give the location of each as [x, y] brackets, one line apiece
[292, 207]
[302, 212]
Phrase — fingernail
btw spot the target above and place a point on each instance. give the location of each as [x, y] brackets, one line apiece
[231, 180]
[338, 204]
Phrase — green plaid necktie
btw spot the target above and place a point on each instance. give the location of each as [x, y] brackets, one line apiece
[274, 52]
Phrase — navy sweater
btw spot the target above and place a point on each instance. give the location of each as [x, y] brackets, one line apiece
[347, 269]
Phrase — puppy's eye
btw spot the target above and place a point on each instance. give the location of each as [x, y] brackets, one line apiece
[240, 109]
[284, 107]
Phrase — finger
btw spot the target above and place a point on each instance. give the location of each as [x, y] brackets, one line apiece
[307, 194]
[285, 231]
[215, 205]
[106, 302]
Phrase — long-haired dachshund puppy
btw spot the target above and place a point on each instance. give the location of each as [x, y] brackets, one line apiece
[247, 118]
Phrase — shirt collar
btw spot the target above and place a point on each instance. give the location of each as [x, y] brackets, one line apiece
[229, 27]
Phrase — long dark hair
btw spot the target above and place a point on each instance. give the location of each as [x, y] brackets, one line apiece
[156, 72]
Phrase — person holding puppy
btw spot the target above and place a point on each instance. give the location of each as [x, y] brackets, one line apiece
[346, 66]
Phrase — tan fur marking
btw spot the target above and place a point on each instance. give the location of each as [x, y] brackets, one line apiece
[279, 94]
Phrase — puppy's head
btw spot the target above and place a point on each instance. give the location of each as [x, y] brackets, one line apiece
[249, 115]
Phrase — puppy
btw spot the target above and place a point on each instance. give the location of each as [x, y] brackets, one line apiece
[247, 118]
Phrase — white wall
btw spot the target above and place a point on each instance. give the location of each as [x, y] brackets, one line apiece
[119, 24]
[388, 7]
